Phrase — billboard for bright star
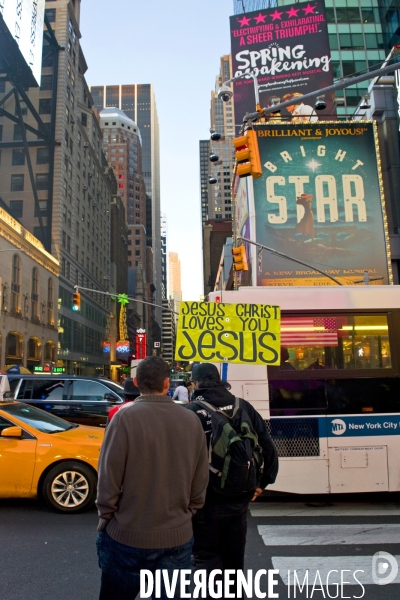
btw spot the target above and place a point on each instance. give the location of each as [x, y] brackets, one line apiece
[320, 200]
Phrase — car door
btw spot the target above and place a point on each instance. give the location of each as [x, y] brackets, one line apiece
[95, 400]
[17, 462]
[50, 394]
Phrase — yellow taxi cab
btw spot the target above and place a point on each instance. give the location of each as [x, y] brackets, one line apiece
[44, 456]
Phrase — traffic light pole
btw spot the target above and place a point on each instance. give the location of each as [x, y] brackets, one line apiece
[300, 262]
[77, 288]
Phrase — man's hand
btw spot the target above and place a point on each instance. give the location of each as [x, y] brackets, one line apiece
[257, 492]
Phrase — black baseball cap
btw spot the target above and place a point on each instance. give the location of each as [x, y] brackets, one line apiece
[205, 372]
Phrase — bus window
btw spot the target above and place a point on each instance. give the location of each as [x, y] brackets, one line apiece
[363, 396]
[297, 397]
[332, 342]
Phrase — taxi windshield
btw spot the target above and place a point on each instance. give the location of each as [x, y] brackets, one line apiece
[39, 419]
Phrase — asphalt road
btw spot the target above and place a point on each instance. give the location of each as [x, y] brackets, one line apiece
[51, 556]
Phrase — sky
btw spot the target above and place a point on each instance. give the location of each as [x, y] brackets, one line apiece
[176, 46]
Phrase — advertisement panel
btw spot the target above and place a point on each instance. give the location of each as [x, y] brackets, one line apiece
[288, 49]
[233, 333]
[24, 20]
[320, 200]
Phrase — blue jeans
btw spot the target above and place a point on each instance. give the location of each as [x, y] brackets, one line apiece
[121, 565]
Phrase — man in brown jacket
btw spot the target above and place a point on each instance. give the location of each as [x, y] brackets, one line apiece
[153, 475]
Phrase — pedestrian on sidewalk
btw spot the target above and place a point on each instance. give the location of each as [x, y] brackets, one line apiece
[220, 526]
[153, 475]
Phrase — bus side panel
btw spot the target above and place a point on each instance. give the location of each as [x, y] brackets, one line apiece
[358, 468]
[250, 383]
[302, 476]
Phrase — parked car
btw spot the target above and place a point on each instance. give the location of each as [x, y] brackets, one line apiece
[84, 400]
[44, 456]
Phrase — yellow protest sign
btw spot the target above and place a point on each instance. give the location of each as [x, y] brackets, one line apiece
[233, 333]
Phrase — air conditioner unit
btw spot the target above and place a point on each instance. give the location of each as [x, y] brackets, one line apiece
[86, 144]
[85, 187]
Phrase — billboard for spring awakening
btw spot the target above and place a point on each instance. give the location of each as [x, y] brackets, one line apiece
[287, 48]
[320, 200]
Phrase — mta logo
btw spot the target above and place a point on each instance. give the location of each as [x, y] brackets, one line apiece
[338, 427]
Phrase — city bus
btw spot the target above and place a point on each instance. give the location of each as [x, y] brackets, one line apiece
[332, 406]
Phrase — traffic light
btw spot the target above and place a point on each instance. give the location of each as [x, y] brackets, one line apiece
[76, 301]
[240, 258]
[248, 155]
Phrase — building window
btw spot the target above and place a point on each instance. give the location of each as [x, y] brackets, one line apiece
[84, 119]
[35, 295]
[17, 133]
[51, 15]
[17, 183]
[47, 56]
[42, 156]
[38, 233]
[45, 106]
[18, 158]
[42, 209]
[13, 347]
[42, 181]
[15, 283]
[46, 82]
[49, 352]
[16, 208]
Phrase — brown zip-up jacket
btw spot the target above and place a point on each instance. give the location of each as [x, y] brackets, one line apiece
[153, 474]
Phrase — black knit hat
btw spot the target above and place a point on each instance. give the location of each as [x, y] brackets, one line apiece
[205, 372]
[130, 388]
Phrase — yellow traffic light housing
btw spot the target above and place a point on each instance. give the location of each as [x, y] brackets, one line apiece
[240, 258]
[248, 155]
[76, 301]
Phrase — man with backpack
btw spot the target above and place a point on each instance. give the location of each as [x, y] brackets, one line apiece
[242, 462]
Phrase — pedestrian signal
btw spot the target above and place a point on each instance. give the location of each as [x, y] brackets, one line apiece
[248, 155]
[240, 258]
[76, 301]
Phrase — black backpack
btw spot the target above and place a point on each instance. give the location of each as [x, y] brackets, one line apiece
[235, 456]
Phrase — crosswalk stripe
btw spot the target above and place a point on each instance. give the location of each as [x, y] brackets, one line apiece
[299, 509]
[329, 535]
[324, 564]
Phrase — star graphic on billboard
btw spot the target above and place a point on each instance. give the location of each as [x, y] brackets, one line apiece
[260, 18]
[313, 165]
[244, 21]
[276, 15]
[309, 10]
[292, 12]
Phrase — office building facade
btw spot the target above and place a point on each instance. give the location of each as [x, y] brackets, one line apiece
[63, 196]
[137, 101]
[164, 264]
[174, 279]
